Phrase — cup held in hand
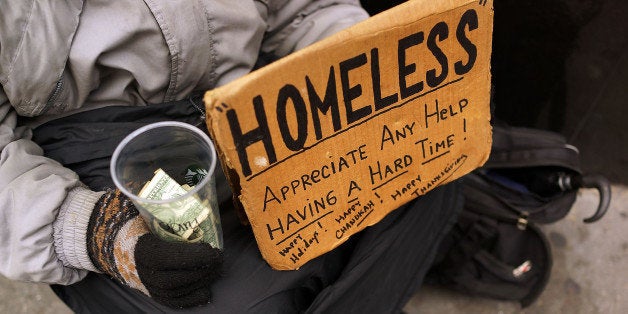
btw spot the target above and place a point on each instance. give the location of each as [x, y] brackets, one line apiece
[168, 170]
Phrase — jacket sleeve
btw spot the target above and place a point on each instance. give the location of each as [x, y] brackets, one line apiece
[44, 210]
[294, 24]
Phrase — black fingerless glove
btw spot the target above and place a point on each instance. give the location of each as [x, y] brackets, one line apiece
[175, 274]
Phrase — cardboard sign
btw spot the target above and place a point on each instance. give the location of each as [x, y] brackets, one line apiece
[325, 142]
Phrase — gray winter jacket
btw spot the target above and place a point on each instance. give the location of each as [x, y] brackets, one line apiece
[63, 57]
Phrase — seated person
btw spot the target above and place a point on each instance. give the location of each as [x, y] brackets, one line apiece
[78, 77]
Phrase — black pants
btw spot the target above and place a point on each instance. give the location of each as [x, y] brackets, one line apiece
[376, 271]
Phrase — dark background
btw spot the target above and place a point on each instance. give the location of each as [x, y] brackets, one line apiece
[562, 65]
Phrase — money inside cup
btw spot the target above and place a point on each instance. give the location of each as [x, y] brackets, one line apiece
[167, 170]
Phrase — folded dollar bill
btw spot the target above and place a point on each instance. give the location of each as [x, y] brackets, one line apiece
[187, 219]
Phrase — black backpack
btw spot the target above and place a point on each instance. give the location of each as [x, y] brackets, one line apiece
[496, 249]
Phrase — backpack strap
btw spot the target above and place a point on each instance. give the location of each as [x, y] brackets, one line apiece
[515, 147]
[470, 235]
[544, 170]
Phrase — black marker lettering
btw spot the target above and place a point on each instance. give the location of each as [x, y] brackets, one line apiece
[289, 91]
[330, 102]
[349, 92]
[469, 18]
[407, 69]
[441, 31]
[244, 140]
[380, 102]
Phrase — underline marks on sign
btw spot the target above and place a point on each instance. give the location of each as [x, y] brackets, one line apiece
[299, 230]
[390, 180]
[251, 177]
[364, 217]
[435, 157]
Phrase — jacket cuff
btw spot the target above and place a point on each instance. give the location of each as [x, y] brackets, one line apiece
[70, 228]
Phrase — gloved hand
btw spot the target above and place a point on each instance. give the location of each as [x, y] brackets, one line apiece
[173, 273]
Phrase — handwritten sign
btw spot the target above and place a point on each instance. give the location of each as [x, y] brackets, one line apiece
[327, 141]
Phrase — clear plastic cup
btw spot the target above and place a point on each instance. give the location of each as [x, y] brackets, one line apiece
[167, 169]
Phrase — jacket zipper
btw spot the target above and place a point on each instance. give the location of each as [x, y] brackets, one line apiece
[54, 95]
[199, 108]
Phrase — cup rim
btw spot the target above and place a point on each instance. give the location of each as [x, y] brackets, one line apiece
[161, 124]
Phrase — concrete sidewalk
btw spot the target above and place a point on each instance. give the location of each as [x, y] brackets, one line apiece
[588, 276]
[589, 272]
[19, 297]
